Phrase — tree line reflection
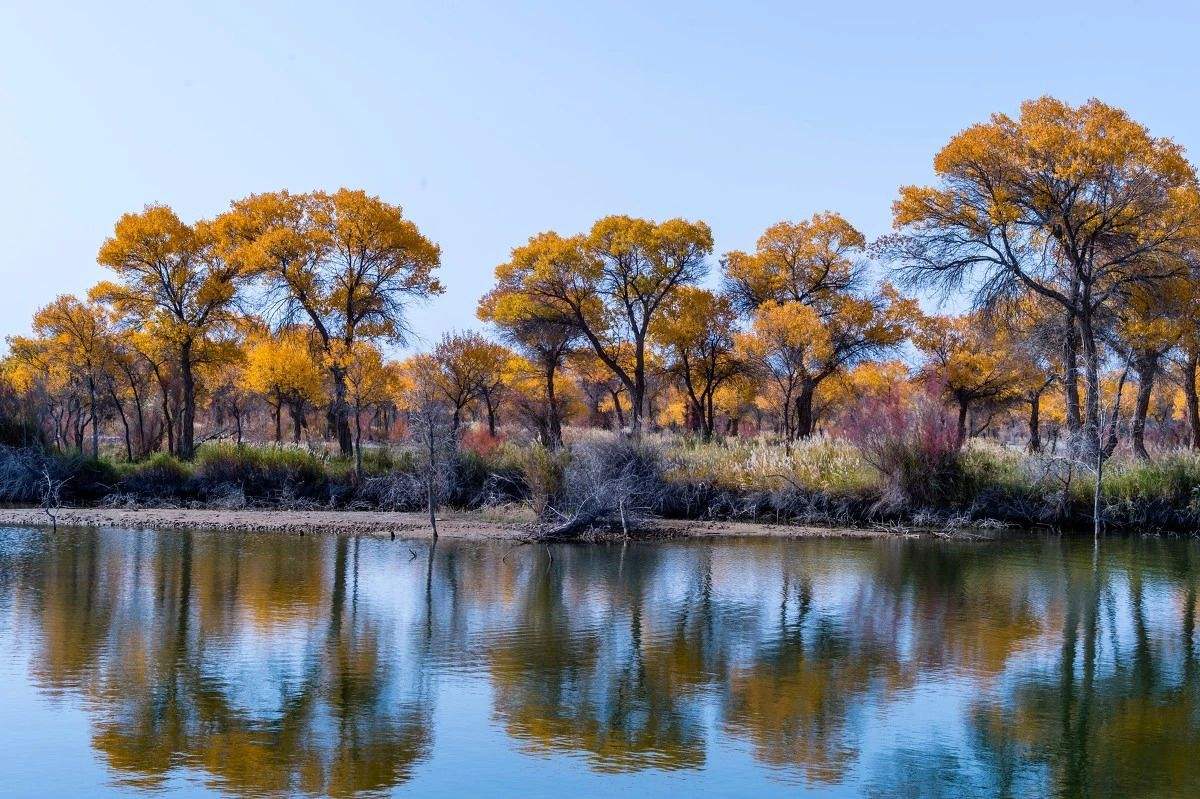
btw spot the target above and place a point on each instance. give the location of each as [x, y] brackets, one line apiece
[275, 665]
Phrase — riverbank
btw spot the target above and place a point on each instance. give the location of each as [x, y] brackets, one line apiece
[606, 485]
[466, 525]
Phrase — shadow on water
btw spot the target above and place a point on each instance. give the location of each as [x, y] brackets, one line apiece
[275, 665]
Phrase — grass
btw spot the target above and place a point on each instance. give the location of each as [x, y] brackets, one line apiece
[819, 464]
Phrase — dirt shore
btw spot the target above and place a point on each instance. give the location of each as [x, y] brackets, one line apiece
[477, 525]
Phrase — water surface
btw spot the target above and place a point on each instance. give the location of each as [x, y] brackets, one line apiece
[226, 664]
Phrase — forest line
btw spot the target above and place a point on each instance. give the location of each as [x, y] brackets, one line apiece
[1074, 232]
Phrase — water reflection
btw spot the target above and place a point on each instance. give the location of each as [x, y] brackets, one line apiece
[271, 665]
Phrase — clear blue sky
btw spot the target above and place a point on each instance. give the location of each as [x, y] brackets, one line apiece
[490, 121]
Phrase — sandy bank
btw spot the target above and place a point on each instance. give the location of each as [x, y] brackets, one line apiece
[463, 525]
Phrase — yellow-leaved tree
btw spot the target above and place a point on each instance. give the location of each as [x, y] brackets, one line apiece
[610, 285]
[175, 278]
[817, 264]
[369, 382]
[1077, 204]
[284, 370]
[974, 367]
[346, 262]
[696, 330]
[80, 335]
[544, 335]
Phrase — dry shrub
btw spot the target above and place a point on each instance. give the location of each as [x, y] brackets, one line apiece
[617, 484]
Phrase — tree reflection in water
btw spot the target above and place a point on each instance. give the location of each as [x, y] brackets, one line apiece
[276, 665]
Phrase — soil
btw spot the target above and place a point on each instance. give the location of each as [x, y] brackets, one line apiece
[469, 525]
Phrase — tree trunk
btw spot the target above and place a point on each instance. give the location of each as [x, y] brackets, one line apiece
[1193, 401]
[491, 414]
[124, 422]
[297, 415]
[1071, 380]
[1091, 380]
[141, 420]
[963, 408]
[358, 460]
[341, 414]
[709, 416]
[804, 413]
[616, 398]
[1146, 366]
[637, 391]
[278, 409]
[168, 421]
[187, 421]
[95, 418]
[553, 422]
[1035, 432]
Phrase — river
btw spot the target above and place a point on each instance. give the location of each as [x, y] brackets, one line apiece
[197, 664]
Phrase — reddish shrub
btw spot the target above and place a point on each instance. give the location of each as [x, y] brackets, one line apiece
[913, 444]
[478, 441]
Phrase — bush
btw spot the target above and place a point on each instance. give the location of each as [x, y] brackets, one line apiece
[397, 491]
[615, 483]
[161, 476]
[281, 474]
[914, 447]
[24, 472]
[543, 471]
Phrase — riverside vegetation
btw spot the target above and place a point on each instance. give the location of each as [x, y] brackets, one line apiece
[614, 387]
[603, 483]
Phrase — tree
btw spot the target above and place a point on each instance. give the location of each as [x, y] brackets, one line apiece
[431, 426]
[787, 344]
[368, 382]
[542, 334]
[805, 262]
[697, 330]
[1151, 323]
[231, 395]
[1079, 205]
[80, 335]
[611, 284]
[600, 386]
[348, 262]
[525, 387]
[129, 383]
[817, 264]
[1033, 329]
[465, 363]
[973, 369]
[35, 370]
[283, 370]
[175, 276]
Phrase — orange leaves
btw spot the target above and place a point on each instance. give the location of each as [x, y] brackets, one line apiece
[799, 260]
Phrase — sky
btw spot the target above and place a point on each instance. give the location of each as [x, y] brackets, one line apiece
[491, 121]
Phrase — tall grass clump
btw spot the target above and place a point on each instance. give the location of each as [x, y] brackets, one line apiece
[159, 477]
[543, 471]
[265, 473]
[819, 464]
